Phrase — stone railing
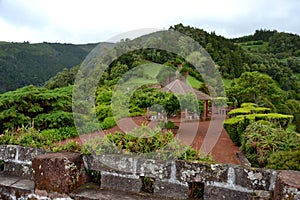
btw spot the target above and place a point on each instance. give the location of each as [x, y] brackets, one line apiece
[171, 179]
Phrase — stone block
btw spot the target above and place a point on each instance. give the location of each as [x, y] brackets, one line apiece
[217, 193]
[58, 172]
[8, 152]
[121, 182]
[27, 154]
[171, 190]
[287, 185]
[18, 169]
[201, 172]
[255, 178]
[111, 163]
[154, 168]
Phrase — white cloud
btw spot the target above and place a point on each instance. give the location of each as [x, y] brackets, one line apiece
[81, 21]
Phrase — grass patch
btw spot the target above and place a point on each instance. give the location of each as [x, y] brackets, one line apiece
[193, 82]
[255, 46]
[152, 69]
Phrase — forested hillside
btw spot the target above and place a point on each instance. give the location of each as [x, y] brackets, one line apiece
[274, 53]
[23, 64]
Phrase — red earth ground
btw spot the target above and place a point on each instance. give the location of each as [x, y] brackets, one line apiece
[217, 142]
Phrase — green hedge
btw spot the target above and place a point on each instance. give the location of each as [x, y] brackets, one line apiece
[235, 126]
[248, 109]
[247, 105]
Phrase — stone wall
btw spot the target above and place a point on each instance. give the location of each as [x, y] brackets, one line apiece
[173, 179]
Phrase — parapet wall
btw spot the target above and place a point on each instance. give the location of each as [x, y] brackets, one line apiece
[172, 179]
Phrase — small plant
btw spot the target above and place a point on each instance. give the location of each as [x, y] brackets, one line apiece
[169, 125]
[147, 184]
[69, 147]
[94, 175]
[1, 165]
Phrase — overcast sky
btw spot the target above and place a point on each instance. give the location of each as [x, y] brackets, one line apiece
[87, 21]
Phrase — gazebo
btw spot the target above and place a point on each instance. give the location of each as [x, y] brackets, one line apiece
[179, 87]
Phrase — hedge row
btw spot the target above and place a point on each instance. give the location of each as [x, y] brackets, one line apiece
[235, 126]
[248, 108]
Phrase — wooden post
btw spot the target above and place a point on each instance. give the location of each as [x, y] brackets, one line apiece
[186, 114]
[212, 108]
[205, 109]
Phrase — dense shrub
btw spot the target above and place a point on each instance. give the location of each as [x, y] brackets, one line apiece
[285, 160]
[262, 139]
[54, 119]
[108, 122]
[146, 142]
[249, 108]
[235, 126]
[39, 139]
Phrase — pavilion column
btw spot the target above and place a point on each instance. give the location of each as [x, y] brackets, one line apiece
[186, 114]
[212, 108]
[205, 109]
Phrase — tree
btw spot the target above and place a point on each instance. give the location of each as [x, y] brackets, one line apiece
[257, 88]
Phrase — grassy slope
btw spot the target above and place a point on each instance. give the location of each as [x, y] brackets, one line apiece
[251, 46]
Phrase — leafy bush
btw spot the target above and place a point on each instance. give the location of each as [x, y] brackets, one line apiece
[38, 139]
[249, 108]
[246, 105]
[261, 139]
[169, 125]
[107, 123]
[54, 119]
[285, 160]
[39, 107]
[145, 142]
[235, 126]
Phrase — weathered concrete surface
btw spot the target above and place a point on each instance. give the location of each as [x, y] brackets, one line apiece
[26, 154]
[17, 169]
[154, 168]
[287, 185]
[12, 187]
[256, 179]
[110, 163]
[172, 190]
[119, 182]
[218, 193]
[201, 172]
[8, 152]
[92, 191]
[58, 172]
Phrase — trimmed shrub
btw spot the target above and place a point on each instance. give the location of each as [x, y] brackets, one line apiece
[108, 122]
[249, 108]
[235, 126]
[246, 105]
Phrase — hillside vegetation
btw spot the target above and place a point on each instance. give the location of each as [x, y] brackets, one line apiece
[23, 64]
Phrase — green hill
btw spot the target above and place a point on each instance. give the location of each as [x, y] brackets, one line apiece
[23, 64]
